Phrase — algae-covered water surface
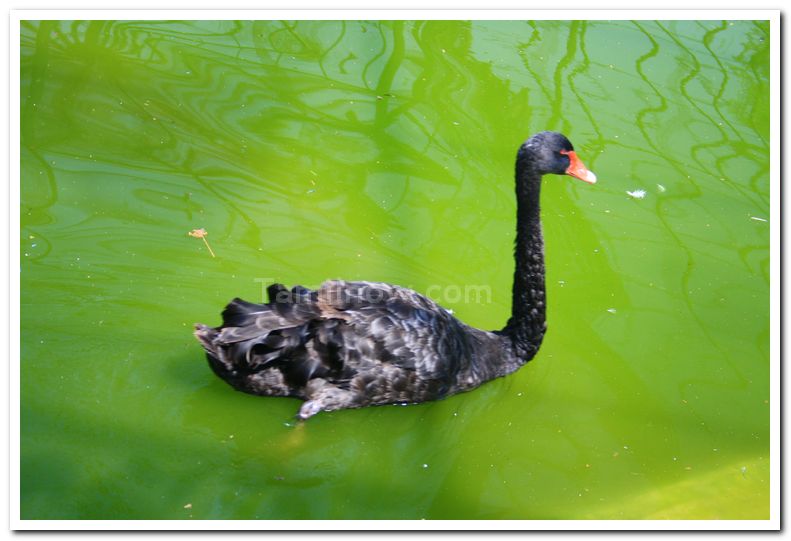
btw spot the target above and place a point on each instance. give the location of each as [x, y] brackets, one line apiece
[384, 151]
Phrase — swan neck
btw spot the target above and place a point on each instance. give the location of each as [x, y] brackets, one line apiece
[528, 309]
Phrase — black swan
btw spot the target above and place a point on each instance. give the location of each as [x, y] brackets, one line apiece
[355, 344]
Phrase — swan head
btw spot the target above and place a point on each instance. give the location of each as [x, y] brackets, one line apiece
[552, 152]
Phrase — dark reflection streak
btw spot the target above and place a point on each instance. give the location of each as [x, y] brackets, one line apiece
[230, 153]
[686, 275]
[422, 36]
[660, 156]
[292, 31]
[186, 169]
[724, 142]
[459, 72]
[583, 68]
[753, 60]
[190, 41]
[746, 251]
[194, 35]
[328, 49]
[690, 76]
[383, 86]
[385, 83]
[463, 50]
[758, 183]
[558, 120]
[752, 194]
[641, 123]
[125, 40]
[237, 28]
[724, 247]
[98, 34]
[754, 67]
[404, 107]
[38, 79]
[224, 152]
[455, 77]
[154, 56]
[377, 56]
[174, 38]
[76, 33]
[523, 50]
[233, 209]
[26, 29]
[722, 171]
[708, 37]
[279, 57]
[56, 35]
[762, 27]
[407, 109]
[577, 33]
[760, 80]
[253, 72]
[408, 112]
[394, 149]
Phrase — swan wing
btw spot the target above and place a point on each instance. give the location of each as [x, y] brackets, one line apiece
[398, 326]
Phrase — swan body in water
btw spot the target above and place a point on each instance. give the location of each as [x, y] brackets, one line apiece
[355, 344]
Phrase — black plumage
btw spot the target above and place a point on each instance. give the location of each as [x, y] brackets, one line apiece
[354, 344]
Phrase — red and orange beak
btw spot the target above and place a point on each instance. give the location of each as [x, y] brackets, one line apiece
[577, 169]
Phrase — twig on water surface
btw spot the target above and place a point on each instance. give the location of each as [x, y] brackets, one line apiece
[201, 234]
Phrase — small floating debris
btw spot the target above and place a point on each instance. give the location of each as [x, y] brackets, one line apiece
[188, 506]
[757, 219]
[425, 466]
[201, 234]
[661, 188]
[636, 194]
[611, 310]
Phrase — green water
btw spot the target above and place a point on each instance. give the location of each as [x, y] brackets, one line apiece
[384, 151]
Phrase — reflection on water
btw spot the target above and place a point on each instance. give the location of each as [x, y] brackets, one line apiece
[384, 151]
